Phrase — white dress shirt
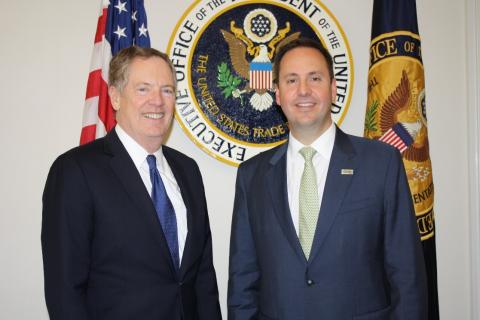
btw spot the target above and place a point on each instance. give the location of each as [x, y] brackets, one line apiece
[139, 157]
[295, 164]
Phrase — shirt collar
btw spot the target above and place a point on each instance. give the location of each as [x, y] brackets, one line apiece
[136, 151]
[323, 144]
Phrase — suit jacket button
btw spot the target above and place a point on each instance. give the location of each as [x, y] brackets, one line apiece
[309, 282]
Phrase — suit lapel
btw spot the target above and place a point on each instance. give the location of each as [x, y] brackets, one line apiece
[336, 186]
[277, 180]
[127, 173]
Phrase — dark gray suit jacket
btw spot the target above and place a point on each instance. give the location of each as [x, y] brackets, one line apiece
[366, 260]
[104, 252]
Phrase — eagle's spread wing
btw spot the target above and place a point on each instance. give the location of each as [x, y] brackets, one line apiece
[395, 101]
[286, 40]
[417, 154]
[237, 51]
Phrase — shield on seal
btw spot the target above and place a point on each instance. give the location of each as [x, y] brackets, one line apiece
[261, 76]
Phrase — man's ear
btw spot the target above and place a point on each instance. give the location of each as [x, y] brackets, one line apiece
[114, 97]
[334, 89]
[277, 95]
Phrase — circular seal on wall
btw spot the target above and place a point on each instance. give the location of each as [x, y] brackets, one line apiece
[223, 53]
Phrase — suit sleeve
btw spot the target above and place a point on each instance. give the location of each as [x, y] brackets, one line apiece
[244, 273]
[65, 237]
[206, 282]
[404, 262]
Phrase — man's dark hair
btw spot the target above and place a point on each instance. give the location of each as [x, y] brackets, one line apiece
[300, 43]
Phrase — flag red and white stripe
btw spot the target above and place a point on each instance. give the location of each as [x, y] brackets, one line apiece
[98, 114]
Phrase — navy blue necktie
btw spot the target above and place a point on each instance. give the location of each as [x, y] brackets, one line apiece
[165, 211]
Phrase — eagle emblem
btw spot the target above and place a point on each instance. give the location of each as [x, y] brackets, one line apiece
[396, 127]
[251, 51]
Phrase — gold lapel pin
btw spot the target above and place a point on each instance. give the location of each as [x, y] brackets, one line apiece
[347, 172]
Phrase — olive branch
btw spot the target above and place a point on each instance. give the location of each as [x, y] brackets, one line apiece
[226, 80]
[370, 123]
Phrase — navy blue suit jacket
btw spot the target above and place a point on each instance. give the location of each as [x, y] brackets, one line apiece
[366, 260]
[104, 252]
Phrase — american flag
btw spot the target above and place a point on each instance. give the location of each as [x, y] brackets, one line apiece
[121, 24]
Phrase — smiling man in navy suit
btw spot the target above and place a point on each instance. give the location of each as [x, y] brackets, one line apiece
[125, 230]
[323, 226]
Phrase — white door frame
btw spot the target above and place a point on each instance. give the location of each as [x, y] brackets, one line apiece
[473, 114]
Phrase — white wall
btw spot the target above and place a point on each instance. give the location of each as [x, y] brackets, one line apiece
[44, 60]
[444, 42]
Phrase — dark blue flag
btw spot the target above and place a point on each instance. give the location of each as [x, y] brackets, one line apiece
[396, 114]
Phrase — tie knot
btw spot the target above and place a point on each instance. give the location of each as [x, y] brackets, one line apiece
[152, 161]
[308, 153]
